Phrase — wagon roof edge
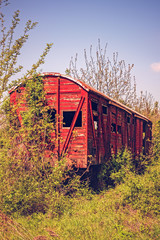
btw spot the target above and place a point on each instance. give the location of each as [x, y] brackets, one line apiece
[111, 100]
[88, 88]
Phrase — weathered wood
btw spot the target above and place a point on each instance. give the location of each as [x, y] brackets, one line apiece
[63, 94]
[72, 125]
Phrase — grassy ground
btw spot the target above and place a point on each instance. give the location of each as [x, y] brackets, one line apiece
[98, 217]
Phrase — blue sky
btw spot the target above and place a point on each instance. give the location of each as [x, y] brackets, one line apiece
[131, 28]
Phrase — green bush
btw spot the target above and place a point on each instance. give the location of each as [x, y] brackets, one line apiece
[138, 188]
[137, 182]
[142, 191]
[30, 181]
[122, 165]
[115, 170]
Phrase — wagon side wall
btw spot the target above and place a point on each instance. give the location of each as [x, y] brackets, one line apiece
[117, 128]
[65, 99]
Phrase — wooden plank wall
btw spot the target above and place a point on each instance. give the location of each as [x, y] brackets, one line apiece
[70, 96]
[115, 128]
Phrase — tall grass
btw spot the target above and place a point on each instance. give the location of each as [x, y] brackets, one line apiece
[128, 211]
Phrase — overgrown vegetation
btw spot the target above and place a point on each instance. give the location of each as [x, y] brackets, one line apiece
[41, 198]
[127, 211]
[31, 180]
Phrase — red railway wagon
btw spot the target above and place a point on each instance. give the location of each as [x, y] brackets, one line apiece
[102, 125]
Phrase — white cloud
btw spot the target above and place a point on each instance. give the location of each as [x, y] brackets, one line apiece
[155, 67]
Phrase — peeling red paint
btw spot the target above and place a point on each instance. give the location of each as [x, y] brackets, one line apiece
[102, 131]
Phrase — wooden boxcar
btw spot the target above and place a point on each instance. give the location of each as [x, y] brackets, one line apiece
[94, 126]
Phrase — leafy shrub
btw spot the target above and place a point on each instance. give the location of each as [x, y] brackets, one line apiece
[142, 191]
[138, 186]
[32, 179]
[122, 164]
[30, 194]
[114, 171]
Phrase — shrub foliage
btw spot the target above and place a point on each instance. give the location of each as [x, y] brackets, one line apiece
[31, 180]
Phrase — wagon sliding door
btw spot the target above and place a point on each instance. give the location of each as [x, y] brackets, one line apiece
[116, 129]
[139, 136]
[93, 131]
